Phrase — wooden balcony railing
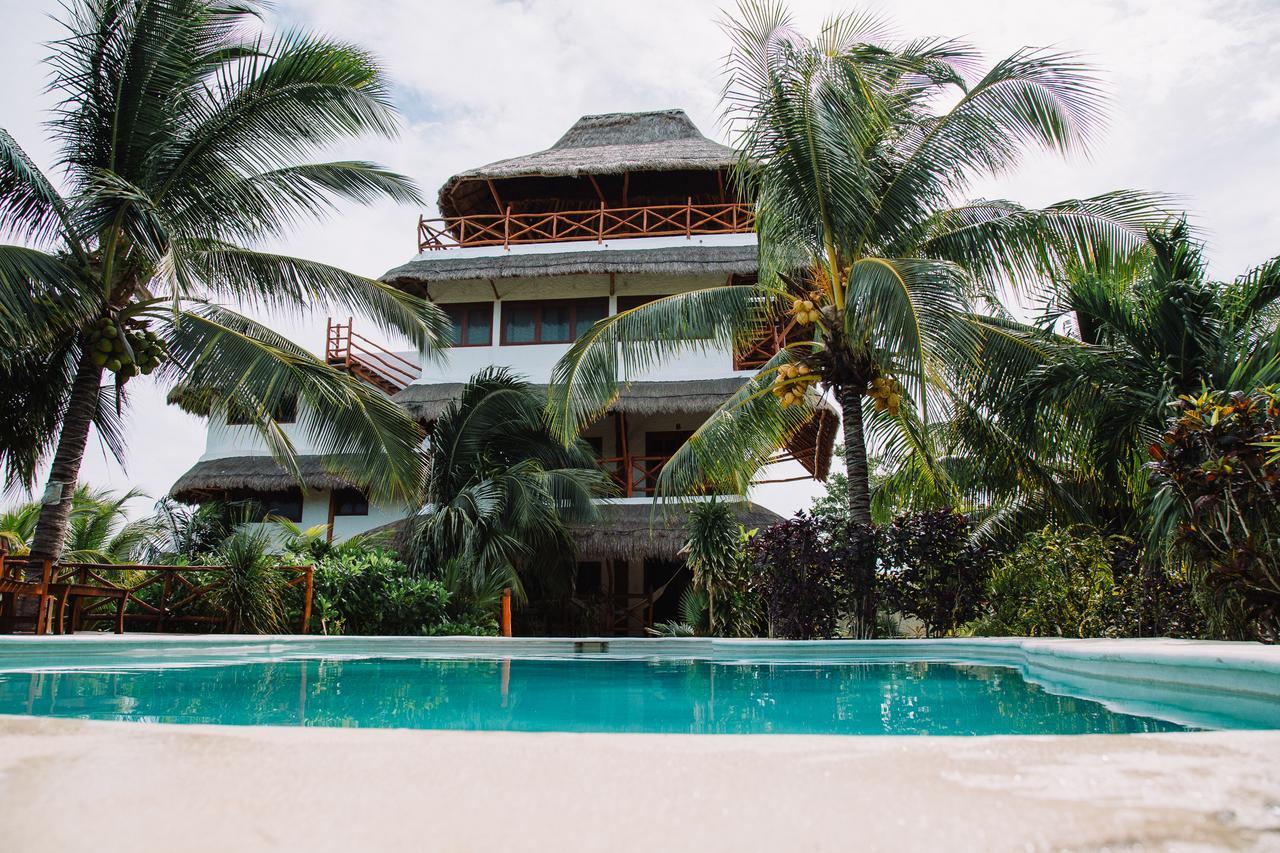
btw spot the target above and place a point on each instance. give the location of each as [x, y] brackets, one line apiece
[635, 476]
[599, 224]
[72, 596]
[365, 360]
[783, 332]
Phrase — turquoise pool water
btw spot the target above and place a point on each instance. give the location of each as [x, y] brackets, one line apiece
[576, 695]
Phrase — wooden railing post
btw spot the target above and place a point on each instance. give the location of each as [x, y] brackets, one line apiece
[506, 611]
[308, 587]
[688, 218]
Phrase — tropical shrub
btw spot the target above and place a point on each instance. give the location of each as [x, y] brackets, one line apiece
[930, 569]
[370, 592]
[717, 555]
[1219, 481]
[811, 575]
[252, 591]
[1056, 583]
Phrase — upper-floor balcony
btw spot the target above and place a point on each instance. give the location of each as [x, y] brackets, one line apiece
[595, 224]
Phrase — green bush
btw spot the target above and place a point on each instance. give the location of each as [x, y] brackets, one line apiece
[370, 592]
[1056, 583]
[1077, 582]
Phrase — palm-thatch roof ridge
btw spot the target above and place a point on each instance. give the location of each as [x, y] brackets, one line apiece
[212, 478]
[696, 258]
[639, 530]
[687, 396]
[607, 144]
[812, 445]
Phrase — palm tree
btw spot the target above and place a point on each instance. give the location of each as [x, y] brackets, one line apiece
[501, 488]
[98, 528]
[183, 133]
[865, 240]
[1063, 434]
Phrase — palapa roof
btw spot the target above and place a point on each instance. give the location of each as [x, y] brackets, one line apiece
[811, 446]
[692, 396]
[608, 144]
[211, 478]
[637, 530]
[693, 258]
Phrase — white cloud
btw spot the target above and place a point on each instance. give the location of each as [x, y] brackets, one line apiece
[1193, 81]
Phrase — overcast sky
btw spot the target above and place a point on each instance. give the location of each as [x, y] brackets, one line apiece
[1196, 111]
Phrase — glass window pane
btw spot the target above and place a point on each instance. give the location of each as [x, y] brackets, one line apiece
[479, 326]
[589, 312]
[555, 323]
[455, 324]
[518, 324]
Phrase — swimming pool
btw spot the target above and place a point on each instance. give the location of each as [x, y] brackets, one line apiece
[694, 686]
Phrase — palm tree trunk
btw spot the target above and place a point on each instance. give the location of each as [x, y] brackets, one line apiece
[855, 454]
[82, 406]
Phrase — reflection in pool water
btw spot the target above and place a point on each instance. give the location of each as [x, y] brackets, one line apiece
[579, 695]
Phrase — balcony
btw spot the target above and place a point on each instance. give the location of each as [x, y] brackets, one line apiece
[635, 476]
[599, 224]
[362, 358]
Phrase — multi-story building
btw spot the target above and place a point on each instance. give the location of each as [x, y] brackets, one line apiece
[526, 255]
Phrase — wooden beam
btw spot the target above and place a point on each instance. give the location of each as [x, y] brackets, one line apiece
[599, 192]
[613, 288]
[626, 187]
[493, 191]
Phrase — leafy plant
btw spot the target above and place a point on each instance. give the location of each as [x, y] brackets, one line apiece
[1056, 583]
[1220, 483]
[501, 489]
[932, 570]
[717, 555]
[812, 576]
[252, 590]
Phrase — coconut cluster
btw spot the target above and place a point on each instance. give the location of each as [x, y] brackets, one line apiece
[806, 311]
[886, 392]
[790, 382]
[124, 349]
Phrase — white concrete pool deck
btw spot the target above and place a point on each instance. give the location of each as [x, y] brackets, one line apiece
[68, 785]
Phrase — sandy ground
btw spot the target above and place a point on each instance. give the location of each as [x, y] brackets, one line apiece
[71, 785]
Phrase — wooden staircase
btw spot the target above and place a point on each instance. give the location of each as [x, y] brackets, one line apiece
[365, 360]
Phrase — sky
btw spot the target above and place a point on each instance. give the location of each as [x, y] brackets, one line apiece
[1193, 83]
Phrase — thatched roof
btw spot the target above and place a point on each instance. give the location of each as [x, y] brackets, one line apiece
[693, 258]
[639, 530]
[811, 446]
[610, 144]
[688, 396]
[211, 478]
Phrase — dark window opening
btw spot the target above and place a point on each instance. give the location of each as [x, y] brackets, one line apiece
[550, 321]
[285, 412]
[350, 502]
[281, 504]
[626, 303]
[587, 581]
[471, 324]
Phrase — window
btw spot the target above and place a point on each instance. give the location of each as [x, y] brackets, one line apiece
[286, 412]
[349, 502]
[282, 504]
[550, 321]
[472, 324]
[626, 303]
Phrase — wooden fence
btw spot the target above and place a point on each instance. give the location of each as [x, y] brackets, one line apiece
[599, 224]
[71, 596]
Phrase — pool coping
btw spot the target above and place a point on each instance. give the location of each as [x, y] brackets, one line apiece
[1214, 681]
